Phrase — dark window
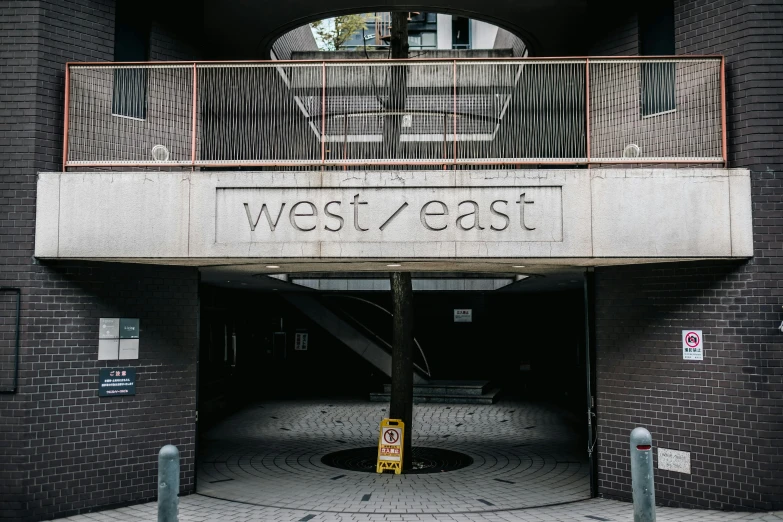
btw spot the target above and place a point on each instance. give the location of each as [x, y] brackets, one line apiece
[131, 44]
[656, 38]
[460, 32]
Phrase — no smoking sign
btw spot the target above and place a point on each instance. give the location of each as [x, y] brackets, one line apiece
[692, 345]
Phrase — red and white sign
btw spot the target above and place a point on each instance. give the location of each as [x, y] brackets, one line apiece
[692, 345]
[391, 436]
[390, 444]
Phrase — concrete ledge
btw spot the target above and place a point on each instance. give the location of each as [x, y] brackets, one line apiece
[598, 216]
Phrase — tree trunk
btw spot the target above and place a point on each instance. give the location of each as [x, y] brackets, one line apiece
[401, 406]
[398, 83]
[399, 35]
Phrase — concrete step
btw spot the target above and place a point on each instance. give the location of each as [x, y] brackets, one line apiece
[447, 388]
[486, 398]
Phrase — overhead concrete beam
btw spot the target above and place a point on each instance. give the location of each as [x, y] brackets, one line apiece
[595, 217]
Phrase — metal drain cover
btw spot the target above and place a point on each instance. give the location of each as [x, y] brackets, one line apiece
[425, 460]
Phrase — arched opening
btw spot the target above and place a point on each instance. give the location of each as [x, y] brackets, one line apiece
[431, 35]
[248, 30]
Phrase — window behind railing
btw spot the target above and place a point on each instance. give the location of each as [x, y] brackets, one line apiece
[131, 44]
[656, 38]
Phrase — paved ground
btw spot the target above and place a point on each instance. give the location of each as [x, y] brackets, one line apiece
[264, 464]
[197, 508]
[270, 455]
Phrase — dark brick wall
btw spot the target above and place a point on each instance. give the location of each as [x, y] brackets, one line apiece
[748, 35]
[63, 449]
[177, 30]
[85, 450]
[17, 130]
[722, 409]
[728, 410]
[614, 29]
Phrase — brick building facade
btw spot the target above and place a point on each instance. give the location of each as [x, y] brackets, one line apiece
[729, 414]
[64, 450]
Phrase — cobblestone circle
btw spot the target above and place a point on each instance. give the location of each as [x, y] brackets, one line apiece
[269, 455]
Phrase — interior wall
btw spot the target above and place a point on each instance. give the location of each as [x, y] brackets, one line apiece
[528, 345]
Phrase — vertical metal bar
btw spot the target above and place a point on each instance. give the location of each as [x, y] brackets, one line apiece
[345, 135]
[323, 113]
[587, 108]
[65, 113]
[723, 111]
[592, 437]
[454, 122]
[445, 139]
[194, 120]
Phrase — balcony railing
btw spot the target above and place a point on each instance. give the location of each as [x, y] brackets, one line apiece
[407, 113]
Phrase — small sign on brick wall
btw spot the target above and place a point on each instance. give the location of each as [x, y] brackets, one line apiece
[674, 460]
[692, 345]
[463, 315]
[300, 341]
[118, 338]
[116, 381]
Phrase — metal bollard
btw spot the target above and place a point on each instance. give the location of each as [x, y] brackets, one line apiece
[642, 476]
[168, 484]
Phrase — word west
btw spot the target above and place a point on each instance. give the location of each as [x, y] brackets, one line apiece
[434, 215]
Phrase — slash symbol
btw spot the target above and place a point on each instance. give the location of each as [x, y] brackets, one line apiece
[386, 223]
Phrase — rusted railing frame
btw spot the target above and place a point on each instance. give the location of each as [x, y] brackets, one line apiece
[194, 123]
[587, 111]
[330, 163]
[723, 103]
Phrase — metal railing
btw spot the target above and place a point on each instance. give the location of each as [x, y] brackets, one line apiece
[407, 113]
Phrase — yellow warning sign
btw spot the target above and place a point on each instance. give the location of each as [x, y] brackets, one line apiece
[390, 446]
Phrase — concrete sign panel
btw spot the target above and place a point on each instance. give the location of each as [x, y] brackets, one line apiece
[417, 214]
[629, 215]
[674, 460]
[692, 345]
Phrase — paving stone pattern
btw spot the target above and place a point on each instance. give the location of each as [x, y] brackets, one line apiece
[265, 464]
[198, 508]
[270, 455]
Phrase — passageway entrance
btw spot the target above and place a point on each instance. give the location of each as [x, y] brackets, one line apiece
[294, 382]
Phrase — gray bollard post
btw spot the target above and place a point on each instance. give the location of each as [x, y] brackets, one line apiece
[642, 476]
[168, 484]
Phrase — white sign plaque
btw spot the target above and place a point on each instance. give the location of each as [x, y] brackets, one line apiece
[674, 460]
[463, 315]
[300, 341]
[692, 345]
[109, 328]
[129, 349]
